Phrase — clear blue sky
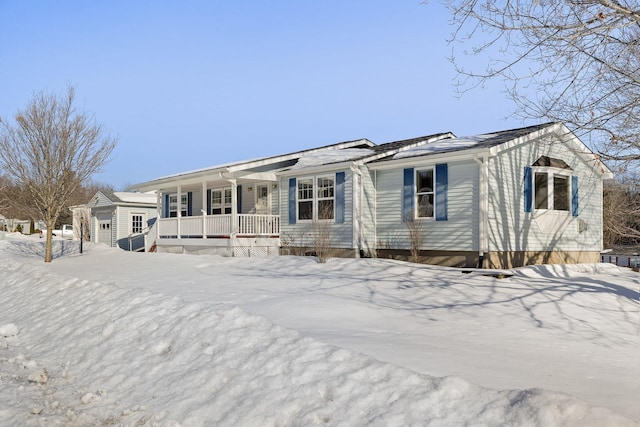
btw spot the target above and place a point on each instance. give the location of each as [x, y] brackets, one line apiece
[186, 85]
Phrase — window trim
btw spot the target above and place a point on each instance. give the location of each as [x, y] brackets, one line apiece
[315, 197]
[551, 173]
[223, 206]
[143, 219]
[417, 193]
[184, 203]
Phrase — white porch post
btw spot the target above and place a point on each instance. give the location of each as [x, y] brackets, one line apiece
[234, 207]
[205, 209]
[179, 208]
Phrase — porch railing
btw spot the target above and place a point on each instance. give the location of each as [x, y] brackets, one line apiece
[219, 225]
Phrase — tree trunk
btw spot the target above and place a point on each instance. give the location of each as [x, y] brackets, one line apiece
[48, 253]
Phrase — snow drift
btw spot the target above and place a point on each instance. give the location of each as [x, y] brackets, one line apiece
[79, 352]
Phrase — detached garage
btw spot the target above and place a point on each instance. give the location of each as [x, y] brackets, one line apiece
[122, 219]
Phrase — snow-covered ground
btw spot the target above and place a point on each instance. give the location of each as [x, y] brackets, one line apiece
[117, 338]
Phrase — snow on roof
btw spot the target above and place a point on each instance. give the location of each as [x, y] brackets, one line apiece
[331, 155]
[445, 145]
[131, 197]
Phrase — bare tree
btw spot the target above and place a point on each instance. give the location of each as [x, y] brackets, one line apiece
[80, 196]
[16, 203]
[572, 61]
[416, 237]
[51, 150]
[322, 243]
[621, 216]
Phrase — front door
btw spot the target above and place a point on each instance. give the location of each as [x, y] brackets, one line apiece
[262, 199]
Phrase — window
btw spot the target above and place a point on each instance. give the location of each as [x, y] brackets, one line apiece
[542, 191]
[136, 223]
[552, 191]
[305, 199]
[561, 193]
[173, 205]
[221, 201]
[425, 193]
[318, 204]
[325, 198]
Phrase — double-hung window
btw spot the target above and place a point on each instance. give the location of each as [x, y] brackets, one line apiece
[424, 193]
[221, 201]
[326, 197]
[173, 205]
[305, 198]
[316, 198]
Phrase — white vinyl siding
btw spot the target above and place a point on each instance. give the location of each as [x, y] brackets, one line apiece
[368, 208]
[458, 233]
[341, 233]
[513, 229]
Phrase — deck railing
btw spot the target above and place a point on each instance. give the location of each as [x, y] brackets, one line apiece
[219, 225]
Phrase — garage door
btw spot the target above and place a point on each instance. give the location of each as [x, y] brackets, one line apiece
[104, 229]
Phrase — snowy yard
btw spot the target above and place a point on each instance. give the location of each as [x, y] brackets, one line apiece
[117, 338]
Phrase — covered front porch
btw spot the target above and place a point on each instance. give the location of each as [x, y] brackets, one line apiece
[231, 214]
[219, 226]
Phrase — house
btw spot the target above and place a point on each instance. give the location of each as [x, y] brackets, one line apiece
[81, 221]
[505, 199]
[237, 209]
[22, 225]
[122, 219]
[509, 198]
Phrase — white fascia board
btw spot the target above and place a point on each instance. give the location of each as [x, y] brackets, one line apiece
[197, 176]
[135, 205]
[565, 136]
[588, 156]
[188, 178]
[258, 176]
[318, 169]
[429, 159]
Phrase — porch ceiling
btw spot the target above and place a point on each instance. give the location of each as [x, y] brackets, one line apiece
[218, 181]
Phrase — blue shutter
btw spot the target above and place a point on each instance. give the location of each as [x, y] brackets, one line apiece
[208, 201]
[442, 184]
[189, 203]
[340, 197]
[528, 189]
[574, 196]
[407, 195]
[239, 197]
[292, 200]
[166, 206]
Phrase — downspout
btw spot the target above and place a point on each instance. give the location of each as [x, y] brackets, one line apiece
[204, 211]
[357, 234]
[159, 210]
[375, 213]
[483, 207]
[179, 212]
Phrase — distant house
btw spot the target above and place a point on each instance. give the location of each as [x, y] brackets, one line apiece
[509, 198]
[122, 219]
